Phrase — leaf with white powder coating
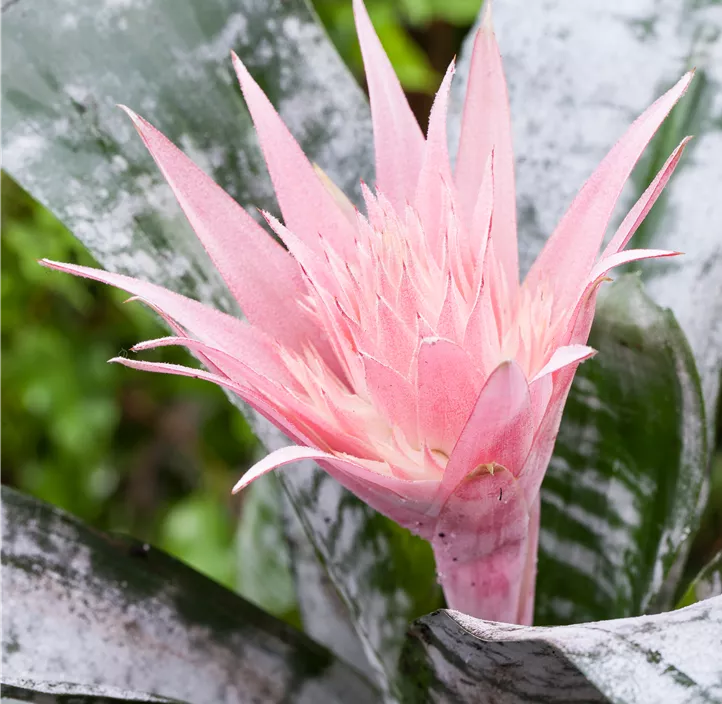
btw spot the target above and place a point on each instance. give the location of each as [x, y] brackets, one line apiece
[89, 608]
[671, 658]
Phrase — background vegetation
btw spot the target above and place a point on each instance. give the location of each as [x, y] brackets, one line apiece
[154, 455]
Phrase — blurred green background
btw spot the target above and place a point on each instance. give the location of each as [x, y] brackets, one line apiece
[155, 455]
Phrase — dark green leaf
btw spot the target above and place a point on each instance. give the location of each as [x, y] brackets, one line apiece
[606, 547]
[706, 584]
[83, 607]
[671, 658]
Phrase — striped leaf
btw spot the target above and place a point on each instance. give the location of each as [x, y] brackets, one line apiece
[455, 658]
[89, 608]
[621, 495]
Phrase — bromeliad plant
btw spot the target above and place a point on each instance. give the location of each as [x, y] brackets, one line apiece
[397, 347]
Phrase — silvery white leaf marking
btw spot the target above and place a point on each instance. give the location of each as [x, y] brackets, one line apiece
[313, 580]
[363, 567]
[60, 109]
[88, 609]
[69, 145]
[579, 74]
[671, 658]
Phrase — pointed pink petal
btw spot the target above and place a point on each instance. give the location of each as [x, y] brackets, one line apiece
[401, 500]
[482, 334]
[260, 274]
[486, 125]
[480, 228]
[307, 206]
[179, 370]
[448, 385]
[500, 428]
[250, 395]
[393, 395]
[297, 423]
[297, 420]
[580, 320]
[407, 299]
[537, 461]
[398, 140]
[278, 458]
[396, 343]
[574, 245]
[436, 171]
[474, 519]
[625, 257]
[563, 357]
[208, 324]
[178, 330]
[309, 258]
[637, 214]
[540, 392]
[234, 368]
[450, 324]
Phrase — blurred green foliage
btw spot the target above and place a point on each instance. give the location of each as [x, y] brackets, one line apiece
[151, 455]
[154, 455]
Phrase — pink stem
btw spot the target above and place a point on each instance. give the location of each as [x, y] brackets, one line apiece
[496, 585]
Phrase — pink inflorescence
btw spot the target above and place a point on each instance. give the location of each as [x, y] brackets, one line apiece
[397, 347]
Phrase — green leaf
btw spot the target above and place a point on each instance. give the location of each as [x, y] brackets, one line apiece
[199, 529]
[70, 147]
[90, 608]
[706, 584]
[264, 563]
[621, 495]
[606, 548]
[451, 657]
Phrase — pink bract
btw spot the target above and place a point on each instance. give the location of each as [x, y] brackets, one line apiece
[397, 348]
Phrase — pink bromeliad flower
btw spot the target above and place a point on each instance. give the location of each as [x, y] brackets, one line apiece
[397, 348]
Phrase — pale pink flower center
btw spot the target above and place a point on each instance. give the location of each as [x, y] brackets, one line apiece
[396, 292]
